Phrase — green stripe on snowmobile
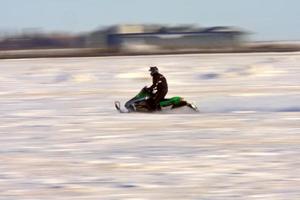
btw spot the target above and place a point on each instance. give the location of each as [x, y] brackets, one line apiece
[141, 95]
[172, 101]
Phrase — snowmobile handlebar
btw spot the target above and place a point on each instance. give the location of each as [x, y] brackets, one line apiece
[148, 89]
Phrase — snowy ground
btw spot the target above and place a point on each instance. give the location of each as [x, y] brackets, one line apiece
[61, 137]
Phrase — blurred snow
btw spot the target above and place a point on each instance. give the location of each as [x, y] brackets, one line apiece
[61, 137]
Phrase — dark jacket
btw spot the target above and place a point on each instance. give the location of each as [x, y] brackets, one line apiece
[159, 83]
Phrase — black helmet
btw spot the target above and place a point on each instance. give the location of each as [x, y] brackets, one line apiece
[153, 70]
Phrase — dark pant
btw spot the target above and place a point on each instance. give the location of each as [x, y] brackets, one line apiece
[154, 101]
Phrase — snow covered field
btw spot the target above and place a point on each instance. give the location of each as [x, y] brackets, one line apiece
[61, 137]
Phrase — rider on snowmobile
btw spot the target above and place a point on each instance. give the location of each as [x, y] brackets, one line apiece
[159, 88]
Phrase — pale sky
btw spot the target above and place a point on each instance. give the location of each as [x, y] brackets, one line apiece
[267, 19]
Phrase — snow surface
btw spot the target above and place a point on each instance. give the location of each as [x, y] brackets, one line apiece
[61, 137]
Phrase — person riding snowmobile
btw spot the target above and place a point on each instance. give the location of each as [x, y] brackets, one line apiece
[159, 88]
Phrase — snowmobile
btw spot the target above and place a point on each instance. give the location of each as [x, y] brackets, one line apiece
[139, 103]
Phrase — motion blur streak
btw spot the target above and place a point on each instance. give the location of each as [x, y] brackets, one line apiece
[61, 137]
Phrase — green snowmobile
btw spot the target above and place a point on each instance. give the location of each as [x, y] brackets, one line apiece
[139, 103]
